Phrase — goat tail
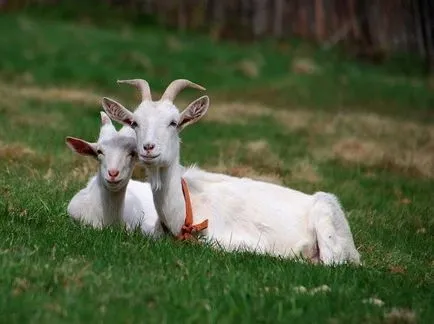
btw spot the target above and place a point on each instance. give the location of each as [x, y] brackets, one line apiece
[334, 238]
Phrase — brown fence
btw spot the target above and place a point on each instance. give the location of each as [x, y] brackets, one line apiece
[370, 27]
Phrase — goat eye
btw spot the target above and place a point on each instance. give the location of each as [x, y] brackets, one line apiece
[99, 152]
[132, 154]
[173, 123]
[133, 124]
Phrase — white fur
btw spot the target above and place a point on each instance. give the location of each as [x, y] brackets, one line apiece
[242, 213]
[130, 202]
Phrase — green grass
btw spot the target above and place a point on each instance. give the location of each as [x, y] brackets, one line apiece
[55, 270]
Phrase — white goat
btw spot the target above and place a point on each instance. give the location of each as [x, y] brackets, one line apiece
[241, 212]
[110, 196]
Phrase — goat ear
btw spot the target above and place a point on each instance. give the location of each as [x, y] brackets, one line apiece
[105, 120]
[81, 147]
[195, 111]
[117, 112]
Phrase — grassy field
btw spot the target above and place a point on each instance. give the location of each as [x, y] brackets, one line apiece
[283, 112]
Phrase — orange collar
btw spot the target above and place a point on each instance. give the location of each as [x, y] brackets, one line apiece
[188, 229]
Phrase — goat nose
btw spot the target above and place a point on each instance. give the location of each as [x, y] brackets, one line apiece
[149, 147]
[113, 173]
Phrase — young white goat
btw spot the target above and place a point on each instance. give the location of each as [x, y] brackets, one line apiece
[241, 212]
[110, 196]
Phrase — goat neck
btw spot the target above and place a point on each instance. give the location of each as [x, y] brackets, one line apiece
[168, 197]
[112, 202]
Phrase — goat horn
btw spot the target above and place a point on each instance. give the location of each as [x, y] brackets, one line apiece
[176, 86]
[142, 85]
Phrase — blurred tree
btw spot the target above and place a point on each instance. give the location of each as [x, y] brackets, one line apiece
[319, 20]
[279, 9]
[424, 11]
[260, 11]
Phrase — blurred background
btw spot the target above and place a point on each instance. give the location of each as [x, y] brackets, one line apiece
[343, 75]
[273, 51]
[369, 29]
